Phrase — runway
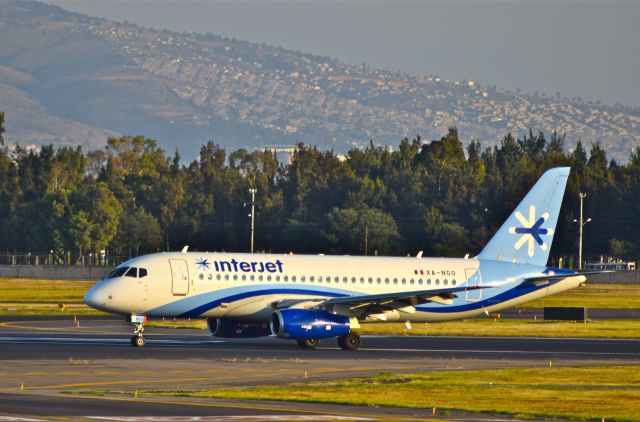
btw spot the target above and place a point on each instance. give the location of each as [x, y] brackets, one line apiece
[44, 359]
[102, 338]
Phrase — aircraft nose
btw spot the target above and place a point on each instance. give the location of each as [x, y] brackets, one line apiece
[93, 297]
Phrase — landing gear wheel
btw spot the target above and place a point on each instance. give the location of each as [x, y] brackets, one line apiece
[310, 343]
[137, 341]
[349, 341]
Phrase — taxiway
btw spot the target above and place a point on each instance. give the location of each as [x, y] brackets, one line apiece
[43, 360]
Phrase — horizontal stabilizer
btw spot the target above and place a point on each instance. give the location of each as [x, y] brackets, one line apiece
[545, 279]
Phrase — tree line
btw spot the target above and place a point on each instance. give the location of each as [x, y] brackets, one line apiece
[132, 198]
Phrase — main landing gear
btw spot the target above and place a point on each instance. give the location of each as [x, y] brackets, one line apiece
[350, 341]
[310, 343]
[137, 340]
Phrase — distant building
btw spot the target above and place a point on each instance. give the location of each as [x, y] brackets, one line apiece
[283, 152]
[615, 266]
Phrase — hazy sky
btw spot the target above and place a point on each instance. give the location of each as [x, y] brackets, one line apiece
[578, 48]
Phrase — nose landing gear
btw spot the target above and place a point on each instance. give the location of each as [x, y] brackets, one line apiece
[137, 340]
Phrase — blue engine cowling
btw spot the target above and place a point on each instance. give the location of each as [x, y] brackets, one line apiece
[233, 328]
[304, 324]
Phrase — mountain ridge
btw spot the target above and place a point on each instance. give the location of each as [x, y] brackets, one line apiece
[73, 79]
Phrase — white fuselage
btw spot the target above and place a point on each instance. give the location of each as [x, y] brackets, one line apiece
[250, 286]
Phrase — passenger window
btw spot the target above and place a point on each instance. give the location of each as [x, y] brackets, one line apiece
[445, 282]
[404, 281]
[453, 282]
[260, 277]
[133, 272]
[210, 277]
[252, 277]
[201, 276]
[370, 280]
[293, 278]
[226, 277]
[235, 277]
[218, 277]
[386, 280]
[395, 281]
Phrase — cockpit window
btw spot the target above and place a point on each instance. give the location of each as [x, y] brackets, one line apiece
[118, 272]
[132, 272]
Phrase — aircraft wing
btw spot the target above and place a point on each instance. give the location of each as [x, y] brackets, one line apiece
[400, 299]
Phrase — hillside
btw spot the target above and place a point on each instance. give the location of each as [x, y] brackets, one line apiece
[69, 78]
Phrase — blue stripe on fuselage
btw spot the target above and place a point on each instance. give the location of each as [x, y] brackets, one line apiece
[194, 306]
[515, 292]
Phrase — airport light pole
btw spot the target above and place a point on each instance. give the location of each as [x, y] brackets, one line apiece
[366, 239]
[581, 224]
[253, 211]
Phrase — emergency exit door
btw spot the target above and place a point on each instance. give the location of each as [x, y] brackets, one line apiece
[473, 280]
[180, 276]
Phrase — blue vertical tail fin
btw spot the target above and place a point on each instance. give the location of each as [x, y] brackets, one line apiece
[527, 234]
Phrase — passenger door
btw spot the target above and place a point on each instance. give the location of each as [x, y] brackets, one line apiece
[474, 279]
[180, 277]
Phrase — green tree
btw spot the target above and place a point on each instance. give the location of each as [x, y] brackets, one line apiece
[621, 248]
[138, 232]
[349, 229]
[93, 216]
[80, 229]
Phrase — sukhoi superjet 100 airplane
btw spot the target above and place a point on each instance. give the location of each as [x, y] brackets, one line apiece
[308, 297]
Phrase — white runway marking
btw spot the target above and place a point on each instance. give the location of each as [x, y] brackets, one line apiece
[230, 418]
[23, 340]
[188, 343]
[538, 352]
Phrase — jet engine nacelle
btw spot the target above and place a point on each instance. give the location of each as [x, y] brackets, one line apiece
[304, 324]
[233, 328]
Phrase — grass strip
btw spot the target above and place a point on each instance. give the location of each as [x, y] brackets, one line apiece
[623, 296]
[20, 296]
[42, 297]
[584, 393]
[32, 290]
[46, 309]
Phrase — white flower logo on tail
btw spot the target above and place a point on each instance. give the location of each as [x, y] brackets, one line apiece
[531, 230]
